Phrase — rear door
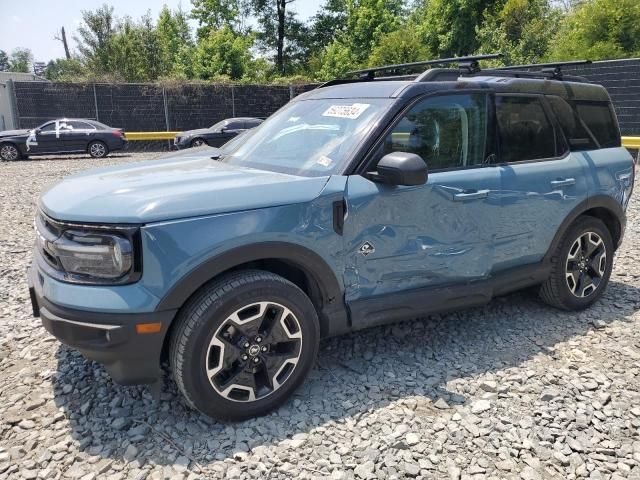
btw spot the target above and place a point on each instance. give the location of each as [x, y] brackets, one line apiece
[77, 135]
[541, 180]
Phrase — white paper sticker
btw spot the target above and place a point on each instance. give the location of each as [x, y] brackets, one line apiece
[346, 111]
[324, 161]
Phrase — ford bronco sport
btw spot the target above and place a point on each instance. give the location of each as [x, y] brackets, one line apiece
[364, 201]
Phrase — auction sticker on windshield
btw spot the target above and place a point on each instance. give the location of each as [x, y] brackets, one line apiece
[346, 111]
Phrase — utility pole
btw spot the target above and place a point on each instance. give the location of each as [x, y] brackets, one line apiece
[63, 38]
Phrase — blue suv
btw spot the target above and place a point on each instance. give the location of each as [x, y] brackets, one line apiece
[365, 201]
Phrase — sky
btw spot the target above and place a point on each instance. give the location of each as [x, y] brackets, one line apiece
[34, 24]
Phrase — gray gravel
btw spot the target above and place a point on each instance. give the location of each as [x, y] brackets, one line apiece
[514, 390]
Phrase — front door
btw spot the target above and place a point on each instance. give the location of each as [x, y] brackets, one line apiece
[411, 238]
[49, 138]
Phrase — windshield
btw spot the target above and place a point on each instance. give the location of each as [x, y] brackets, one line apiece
[308, 137]
[218, 126]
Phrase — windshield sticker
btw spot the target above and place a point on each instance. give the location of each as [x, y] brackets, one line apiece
[346, 111]
[324, 161]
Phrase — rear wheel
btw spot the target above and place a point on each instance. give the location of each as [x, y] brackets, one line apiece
[244, 344]
[9, 152]
[581, 266]
[98, 149]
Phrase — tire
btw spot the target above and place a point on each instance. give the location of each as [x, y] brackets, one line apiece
[98, 149]
[9, 152]
[581, 266]
[270, 358]
[198, 142]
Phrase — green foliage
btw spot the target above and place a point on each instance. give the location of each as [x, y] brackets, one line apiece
[520, 30]
[21, 60]
[63, 70]
[263, 41]
[599, 29]
[448, 27]
[400, 46]
[222, 52]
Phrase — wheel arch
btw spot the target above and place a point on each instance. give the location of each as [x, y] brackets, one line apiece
[602, 207]
[301, 266]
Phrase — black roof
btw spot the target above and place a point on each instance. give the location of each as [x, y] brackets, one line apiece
[381, 88]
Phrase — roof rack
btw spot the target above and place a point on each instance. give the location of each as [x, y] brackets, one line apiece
[466, 65]
[553, 70]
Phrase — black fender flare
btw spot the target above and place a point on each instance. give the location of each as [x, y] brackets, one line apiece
[598, 201]
[310, 262]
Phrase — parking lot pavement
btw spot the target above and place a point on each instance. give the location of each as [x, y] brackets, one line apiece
[512, 390]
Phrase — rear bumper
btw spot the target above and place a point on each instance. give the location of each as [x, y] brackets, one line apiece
[111, 339]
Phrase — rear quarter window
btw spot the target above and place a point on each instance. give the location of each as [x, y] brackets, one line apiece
[600, 119]
[574, 129]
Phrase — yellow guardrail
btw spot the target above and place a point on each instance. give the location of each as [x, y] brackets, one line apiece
[150, 135]
[631, 142]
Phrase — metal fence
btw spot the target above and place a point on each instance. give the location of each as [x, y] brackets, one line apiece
[146, 107]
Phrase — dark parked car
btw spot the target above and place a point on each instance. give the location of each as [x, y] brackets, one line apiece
[216, 135]
[65, 135]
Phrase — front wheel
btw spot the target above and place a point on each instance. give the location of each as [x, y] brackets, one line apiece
[581, 266]
[244, 344]
[98, 149]
[9, 152]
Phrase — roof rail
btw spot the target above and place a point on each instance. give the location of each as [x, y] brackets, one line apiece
[468, 64]
[554, 70]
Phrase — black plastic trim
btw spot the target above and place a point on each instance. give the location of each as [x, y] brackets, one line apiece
[338, 216]
[109, 338]
[597, 201]
[333, 314]
[425, 301]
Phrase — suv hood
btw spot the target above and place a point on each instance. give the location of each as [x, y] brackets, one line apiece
[171, 189]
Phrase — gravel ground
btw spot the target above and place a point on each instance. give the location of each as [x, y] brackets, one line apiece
[512, 390]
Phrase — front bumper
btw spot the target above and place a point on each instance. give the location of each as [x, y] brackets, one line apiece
[108, 338]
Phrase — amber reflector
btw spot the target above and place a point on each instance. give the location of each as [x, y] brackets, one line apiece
[148, 327]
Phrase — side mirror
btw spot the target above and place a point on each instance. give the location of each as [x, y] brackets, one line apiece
[400, 168]
[223, 129]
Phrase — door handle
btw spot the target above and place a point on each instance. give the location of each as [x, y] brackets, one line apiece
[563, 182]
[471, 195]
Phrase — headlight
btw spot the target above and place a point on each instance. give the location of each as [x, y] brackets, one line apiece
[97, 255]
[89, 254]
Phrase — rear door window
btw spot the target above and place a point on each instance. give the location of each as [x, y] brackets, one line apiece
[600, 119]
[524, 129]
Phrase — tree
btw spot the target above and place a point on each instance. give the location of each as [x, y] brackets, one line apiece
[400, 46]
[95, 38]
[598, 29]
[366, 23]
[177, 46]
[216, 14]
[222, 53]
[279, 30]
[20, 60]
[520, 30]
[448, 27]
[63, 70]
[325, 25]
[4, 61]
